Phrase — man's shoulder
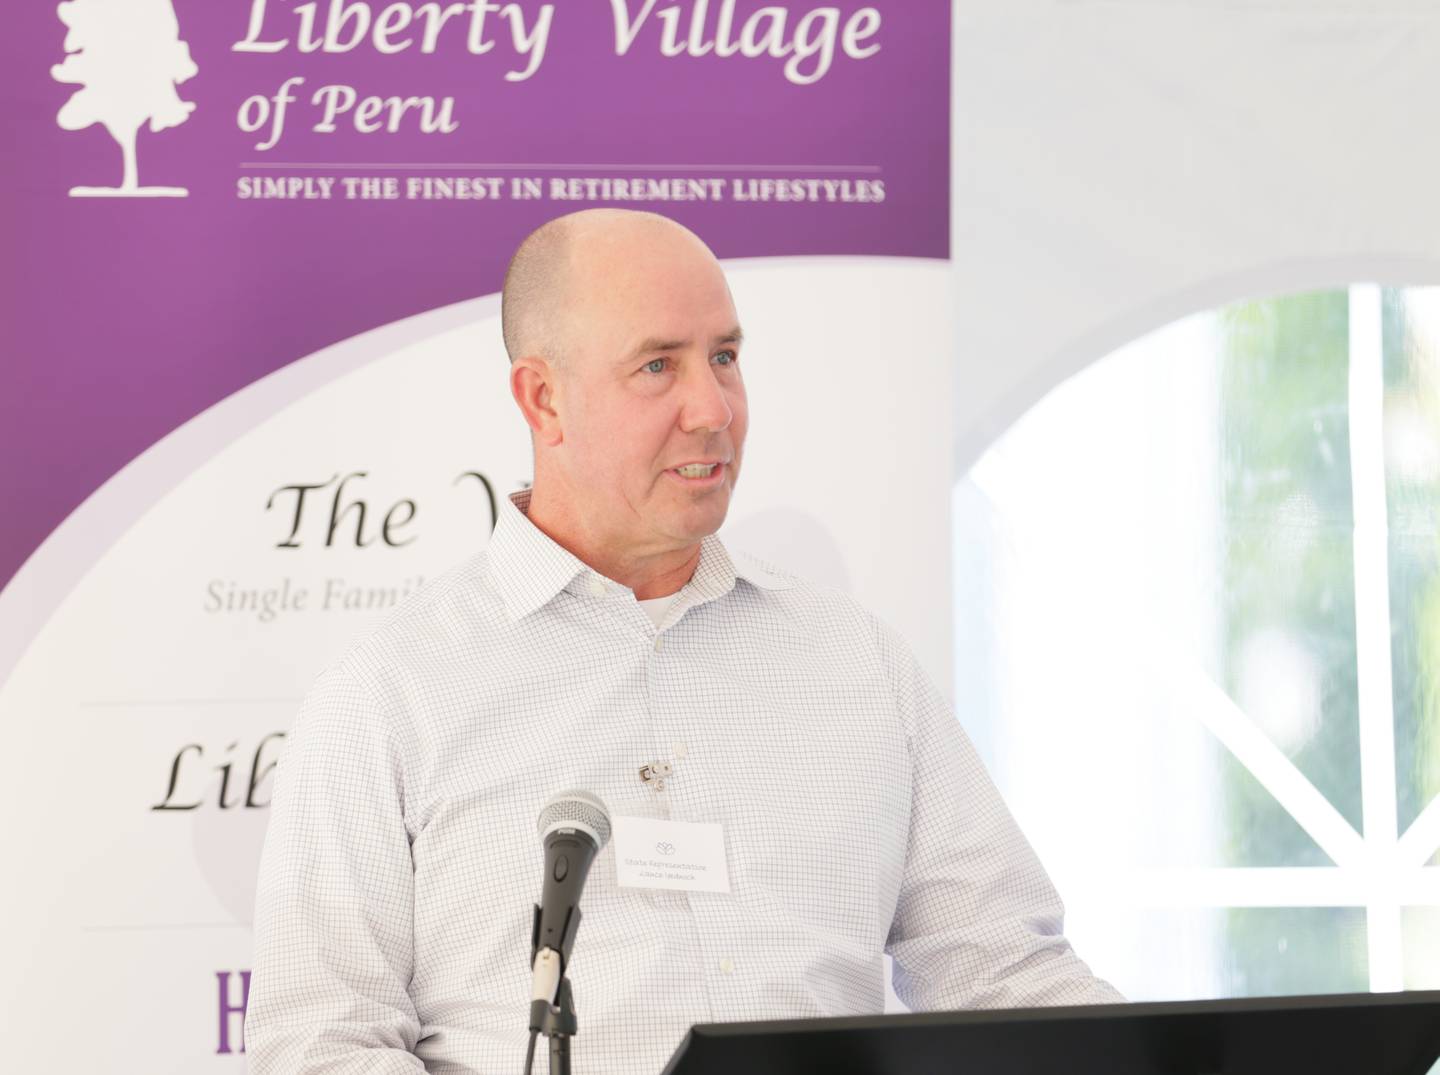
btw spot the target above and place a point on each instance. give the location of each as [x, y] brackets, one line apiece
[455, 610]
[786, 591]
[821, 608]
[763, 574]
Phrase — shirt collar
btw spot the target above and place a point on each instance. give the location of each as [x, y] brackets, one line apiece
[527, 568]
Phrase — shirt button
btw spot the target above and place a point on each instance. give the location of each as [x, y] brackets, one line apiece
[680, 750]
[727, 966]
[597, 587]
[657, 643]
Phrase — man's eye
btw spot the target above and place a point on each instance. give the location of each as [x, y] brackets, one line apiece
[730, 358]
[655, 366]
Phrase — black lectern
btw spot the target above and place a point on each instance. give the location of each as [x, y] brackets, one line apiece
[1360, 1034]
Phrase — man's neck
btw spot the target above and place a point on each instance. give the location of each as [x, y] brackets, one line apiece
[648, 574]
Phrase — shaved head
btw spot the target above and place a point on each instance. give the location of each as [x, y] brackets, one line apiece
[548, 272]
[530, 302]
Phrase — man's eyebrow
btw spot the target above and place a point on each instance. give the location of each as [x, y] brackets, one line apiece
[658, 343]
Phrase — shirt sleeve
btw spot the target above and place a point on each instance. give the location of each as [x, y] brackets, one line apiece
[978, 923]
[333, 914]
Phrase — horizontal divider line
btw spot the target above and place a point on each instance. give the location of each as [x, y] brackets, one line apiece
[575, 167]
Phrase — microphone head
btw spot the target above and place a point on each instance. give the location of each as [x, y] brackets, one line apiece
[576, 810]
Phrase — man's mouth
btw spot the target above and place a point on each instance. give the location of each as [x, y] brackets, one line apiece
[696, 470]
[698, 473]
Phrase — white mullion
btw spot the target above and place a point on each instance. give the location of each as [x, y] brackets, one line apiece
[1422, 838]
[1372, 629]
[1276, 773]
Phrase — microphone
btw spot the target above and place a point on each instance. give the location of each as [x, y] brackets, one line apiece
[574, 825]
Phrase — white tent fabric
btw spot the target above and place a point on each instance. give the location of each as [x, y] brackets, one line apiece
[1121, 163]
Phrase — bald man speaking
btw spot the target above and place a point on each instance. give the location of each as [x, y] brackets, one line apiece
[775, 731]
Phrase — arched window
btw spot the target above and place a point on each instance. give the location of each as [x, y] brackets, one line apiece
[1198, 642]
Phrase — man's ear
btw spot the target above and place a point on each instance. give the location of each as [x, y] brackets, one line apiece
[533, 382]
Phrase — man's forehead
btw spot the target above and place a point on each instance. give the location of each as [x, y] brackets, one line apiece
[641, 286]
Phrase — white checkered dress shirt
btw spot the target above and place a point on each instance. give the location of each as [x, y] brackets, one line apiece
[394, 906]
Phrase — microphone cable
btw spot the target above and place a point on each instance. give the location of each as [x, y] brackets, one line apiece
[530, 1052]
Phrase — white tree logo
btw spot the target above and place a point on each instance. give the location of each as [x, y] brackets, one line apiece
[127, 57]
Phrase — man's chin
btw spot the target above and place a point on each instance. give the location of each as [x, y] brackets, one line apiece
[700, 520]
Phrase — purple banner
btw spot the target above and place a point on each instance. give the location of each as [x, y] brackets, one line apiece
[200, 193]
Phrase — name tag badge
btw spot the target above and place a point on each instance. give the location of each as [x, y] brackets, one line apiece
[677, 855]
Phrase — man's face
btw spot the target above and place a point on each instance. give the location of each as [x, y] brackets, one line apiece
[652, 385]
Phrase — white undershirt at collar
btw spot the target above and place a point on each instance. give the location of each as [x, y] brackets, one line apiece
[656, 607]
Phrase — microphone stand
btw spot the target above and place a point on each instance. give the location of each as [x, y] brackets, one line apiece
[557, 1022]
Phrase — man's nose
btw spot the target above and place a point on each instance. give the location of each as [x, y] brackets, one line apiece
[704, 405]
